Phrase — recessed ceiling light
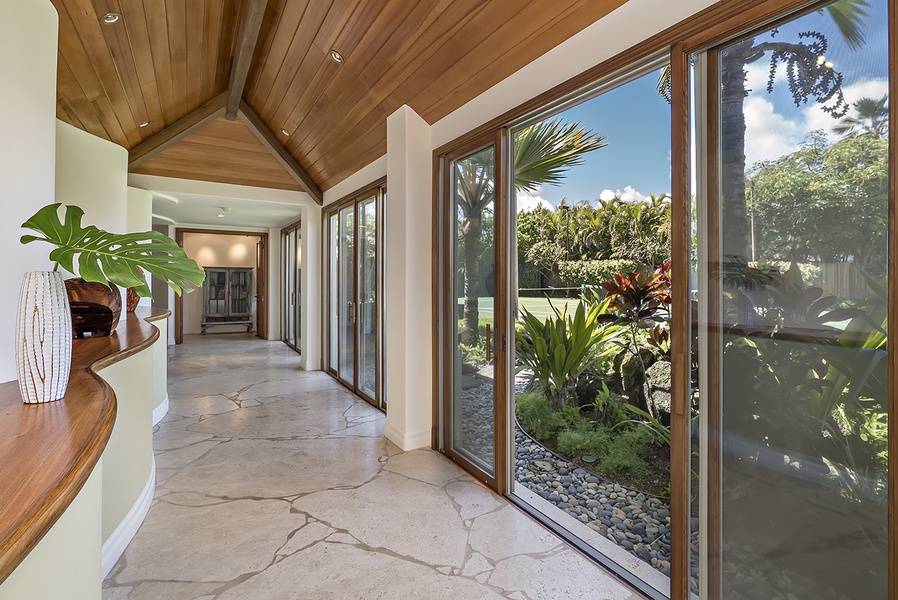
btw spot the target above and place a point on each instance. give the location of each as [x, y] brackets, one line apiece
[337, 57]
[144, 124]
[111, 18]
[285, 132]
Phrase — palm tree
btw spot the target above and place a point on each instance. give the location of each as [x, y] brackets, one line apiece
[872, 118]
[542, 153]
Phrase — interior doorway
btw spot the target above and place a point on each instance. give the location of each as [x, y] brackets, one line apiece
[243, 252]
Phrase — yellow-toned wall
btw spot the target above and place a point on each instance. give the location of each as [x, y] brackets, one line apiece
[65, 564]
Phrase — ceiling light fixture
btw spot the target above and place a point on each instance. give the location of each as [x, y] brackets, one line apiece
[285, 132]
[220, 215]
[111, 18]
[337, 57]
[144, 124]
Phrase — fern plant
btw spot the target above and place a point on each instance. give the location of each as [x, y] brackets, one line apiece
[112, 258]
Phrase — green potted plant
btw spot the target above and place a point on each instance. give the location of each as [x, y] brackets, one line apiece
[43, 327]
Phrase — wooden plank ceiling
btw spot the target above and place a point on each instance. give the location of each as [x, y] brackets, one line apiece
[222, 151]
[167, 58]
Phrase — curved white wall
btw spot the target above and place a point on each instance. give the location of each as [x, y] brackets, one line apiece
[28, 149]
[92, 173]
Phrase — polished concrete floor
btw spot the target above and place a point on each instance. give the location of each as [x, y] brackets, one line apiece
[276, 483]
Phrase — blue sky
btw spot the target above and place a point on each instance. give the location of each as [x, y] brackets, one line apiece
[635, 120]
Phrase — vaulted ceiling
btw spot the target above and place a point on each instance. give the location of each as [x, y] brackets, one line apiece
[245, 92]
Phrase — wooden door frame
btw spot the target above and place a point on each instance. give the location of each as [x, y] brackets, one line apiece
[264, 283]
[718, 32]
[378, 191]
[296, 227]
[446, 307]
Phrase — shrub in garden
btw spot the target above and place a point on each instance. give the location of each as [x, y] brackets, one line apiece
[593, 272]
[559, 348]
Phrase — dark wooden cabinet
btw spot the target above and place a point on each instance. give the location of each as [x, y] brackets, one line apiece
[227, 297]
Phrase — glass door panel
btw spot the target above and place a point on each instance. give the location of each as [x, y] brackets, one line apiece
[297, 288]
[471, 427]
[367, 284]
[289, 323]
[291, 277]
[797, 334]
[333, 292]
[354, 333]
[346, 305]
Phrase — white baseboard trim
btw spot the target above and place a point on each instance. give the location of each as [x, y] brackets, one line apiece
[407, 441]
[160, 411]
[114, 547]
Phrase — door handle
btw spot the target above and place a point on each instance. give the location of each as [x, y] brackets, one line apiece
[489, 343]
[350, 311]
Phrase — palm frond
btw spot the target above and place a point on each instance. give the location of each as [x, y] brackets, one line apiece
[848, 16]
[544, 151]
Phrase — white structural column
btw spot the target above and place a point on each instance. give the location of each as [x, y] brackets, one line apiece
[310, 288]
[408, 296]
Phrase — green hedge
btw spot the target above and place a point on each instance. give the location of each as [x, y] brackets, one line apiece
[593, 272]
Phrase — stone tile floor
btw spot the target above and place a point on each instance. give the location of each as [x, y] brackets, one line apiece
[276, 483]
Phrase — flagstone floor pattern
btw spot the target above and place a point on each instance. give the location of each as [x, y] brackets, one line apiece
[277, 483]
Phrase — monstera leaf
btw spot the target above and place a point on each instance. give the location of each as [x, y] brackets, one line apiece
[109, 257]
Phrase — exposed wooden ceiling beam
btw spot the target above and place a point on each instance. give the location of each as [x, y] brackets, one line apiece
[268, 139]
[250, 25]
[178, 130]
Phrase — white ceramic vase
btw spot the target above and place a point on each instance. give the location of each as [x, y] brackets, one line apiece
[43, 337]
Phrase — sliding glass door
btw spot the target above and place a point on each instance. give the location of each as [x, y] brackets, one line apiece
[354, 291]
[791, 398]
[473, 427]
[291, 252]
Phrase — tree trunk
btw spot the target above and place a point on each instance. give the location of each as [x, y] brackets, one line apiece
[473, 234]
[736, 235]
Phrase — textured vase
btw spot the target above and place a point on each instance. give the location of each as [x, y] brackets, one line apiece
[43, 337]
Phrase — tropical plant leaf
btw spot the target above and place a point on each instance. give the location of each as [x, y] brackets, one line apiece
[107, 257]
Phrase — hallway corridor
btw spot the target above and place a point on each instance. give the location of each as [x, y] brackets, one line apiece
[276, 483]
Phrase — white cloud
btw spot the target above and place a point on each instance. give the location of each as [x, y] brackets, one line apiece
[756, 76]
[768, 134]
[627, 195]
[528, 201]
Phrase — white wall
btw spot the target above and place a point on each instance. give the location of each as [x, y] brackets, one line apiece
[216, 250]
[139, 218]
[28, 28]
[310, 291]
[92, 173]
[407, 290]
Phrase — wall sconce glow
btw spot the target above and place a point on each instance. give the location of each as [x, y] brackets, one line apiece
[337, 57]
[111, 18]
[238, 252]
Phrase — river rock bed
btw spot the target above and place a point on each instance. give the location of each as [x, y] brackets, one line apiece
[633, 520]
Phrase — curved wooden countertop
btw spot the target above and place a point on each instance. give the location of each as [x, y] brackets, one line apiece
[47, 451]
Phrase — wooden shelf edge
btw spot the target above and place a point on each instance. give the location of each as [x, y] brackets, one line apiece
[67, 437]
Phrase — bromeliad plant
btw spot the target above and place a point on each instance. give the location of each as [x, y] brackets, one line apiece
[559, 348]
[97, 255]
